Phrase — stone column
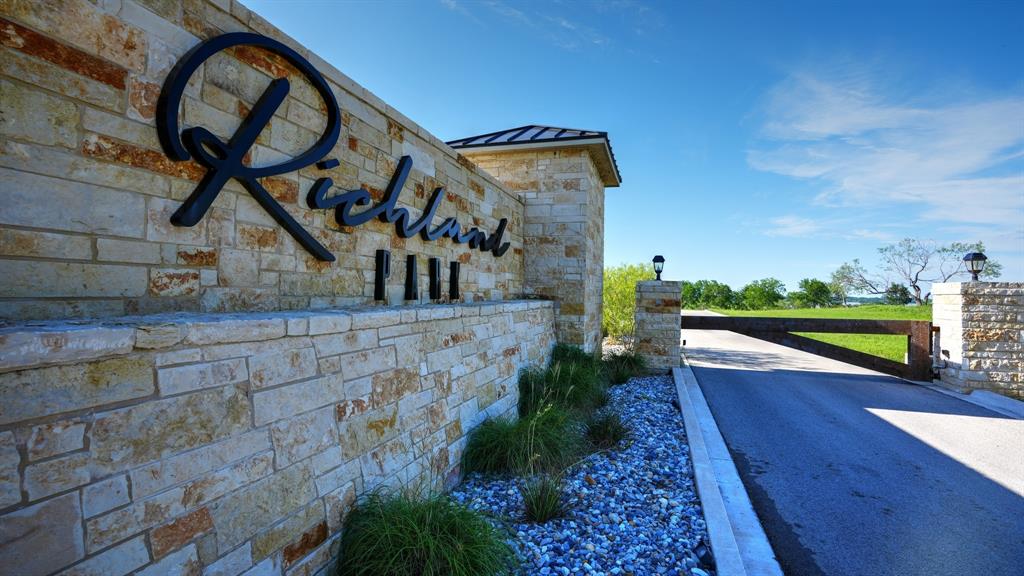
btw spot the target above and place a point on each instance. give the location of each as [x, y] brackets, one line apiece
[563, 232]
[981, 335]
[657, 323]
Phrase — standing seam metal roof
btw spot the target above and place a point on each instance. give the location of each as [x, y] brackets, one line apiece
[534, 134]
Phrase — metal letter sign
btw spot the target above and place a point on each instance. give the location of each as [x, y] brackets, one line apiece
[224, 160]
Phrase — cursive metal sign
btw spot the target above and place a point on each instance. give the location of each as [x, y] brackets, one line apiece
[225, 160]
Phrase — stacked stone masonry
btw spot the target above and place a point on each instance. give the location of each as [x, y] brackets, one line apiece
[564, 232]
[236, 443]
[657, 321]
[981, 335]
[88, 191]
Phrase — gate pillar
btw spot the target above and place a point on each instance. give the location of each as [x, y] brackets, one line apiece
[657, 323]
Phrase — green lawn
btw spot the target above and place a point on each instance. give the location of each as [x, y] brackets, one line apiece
[886, 346]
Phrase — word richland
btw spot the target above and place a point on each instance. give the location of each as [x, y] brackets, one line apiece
[224, 160]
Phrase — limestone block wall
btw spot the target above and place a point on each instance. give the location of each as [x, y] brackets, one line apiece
[236, 444]
[88, 191]
[657, 323]
[564, 232]
[981, 335]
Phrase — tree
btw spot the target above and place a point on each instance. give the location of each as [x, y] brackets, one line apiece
[913, 263]
[898, 294]
[715, 294]
[689, 297]
[620, 297]
[813, 293]
[763, 294]
[842, 282]
[707, 294]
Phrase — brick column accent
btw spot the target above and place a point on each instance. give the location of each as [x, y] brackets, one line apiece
[981, 335]
[657, 323]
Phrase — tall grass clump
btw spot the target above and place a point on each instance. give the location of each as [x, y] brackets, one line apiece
[606, 431]
[575, 381]
[546, 440]
[542, 498]
[401, 536]
[622, 366]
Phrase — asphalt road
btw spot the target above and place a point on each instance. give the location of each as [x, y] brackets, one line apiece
[856, 473]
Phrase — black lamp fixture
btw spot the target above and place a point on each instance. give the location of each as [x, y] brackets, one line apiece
[975, 264]
[659, 265]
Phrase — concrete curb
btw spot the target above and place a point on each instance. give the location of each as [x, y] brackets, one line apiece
[990, 400]
[738, 541]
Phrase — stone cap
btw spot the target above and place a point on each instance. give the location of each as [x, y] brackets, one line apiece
[537, 137]
[57, 342]
[659, 286]
[945, 288]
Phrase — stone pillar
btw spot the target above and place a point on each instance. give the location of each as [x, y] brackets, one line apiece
[657, 323]
[981, 335]
[563, 232]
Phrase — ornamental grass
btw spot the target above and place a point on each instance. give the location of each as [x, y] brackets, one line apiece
[547, 440]
[400, 535]
[622, 366]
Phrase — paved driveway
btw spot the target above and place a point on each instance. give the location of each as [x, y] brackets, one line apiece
[856, 473]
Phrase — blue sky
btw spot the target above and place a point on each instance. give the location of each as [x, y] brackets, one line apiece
[754, 139]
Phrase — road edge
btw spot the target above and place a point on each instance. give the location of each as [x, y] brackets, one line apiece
[987, 399]
[738, 540]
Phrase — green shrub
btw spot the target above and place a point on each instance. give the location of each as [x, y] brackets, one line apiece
[606, 431]
[399, 536]
[575, 381]
[623, 366]
[548, 439]
[542, 498]
[619, 297]
[573, 354]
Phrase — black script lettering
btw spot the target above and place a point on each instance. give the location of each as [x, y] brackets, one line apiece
[387, 212]
[225, 160]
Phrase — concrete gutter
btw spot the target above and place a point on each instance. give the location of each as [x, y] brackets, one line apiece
[738, 541]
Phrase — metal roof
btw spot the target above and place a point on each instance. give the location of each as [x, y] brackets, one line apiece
[537, 136]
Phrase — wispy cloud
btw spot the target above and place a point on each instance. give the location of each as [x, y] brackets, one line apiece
[952, 163]
[543, 19]
[796, 226]
[793, 226]
[460, 7]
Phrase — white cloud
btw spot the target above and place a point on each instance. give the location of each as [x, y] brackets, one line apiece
[957, 162]
[947, 165]
[793, 226]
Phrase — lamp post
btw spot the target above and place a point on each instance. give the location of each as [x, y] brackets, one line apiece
[659, 265]
[975, 264]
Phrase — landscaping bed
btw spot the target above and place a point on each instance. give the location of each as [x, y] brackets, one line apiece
[593, 477]
[629, 510]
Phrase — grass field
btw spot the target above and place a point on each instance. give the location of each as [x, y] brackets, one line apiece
[886, 346]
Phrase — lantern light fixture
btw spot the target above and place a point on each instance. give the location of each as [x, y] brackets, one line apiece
[659, 265]
[975, 264]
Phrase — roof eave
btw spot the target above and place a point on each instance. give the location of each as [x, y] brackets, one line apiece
[604, 161]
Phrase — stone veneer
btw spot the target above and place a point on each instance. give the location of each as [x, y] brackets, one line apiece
[981, 335]
[657, 319]
[88, 192]
[236, 443]
[563, 231]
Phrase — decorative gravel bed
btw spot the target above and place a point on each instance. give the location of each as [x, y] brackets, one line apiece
[633, 511]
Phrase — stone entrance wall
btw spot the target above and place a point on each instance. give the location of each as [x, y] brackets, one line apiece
[981, 335]
[88, 192]
[217, 444]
